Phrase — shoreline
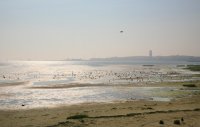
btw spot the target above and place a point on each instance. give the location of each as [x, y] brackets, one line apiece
[178, 90]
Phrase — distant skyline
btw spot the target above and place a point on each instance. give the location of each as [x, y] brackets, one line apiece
[61, 29]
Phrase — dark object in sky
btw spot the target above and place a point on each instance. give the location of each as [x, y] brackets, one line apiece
[121, 31]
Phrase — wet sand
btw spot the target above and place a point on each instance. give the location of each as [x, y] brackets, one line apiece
[6, 84]
[141, 84]
[119, 114]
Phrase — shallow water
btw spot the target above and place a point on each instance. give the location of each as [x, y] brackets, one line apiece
[37, 83]
[33, 98]
[64, 72]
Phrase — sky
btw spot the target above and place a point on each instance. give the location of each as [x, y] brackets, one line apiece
[66, 29]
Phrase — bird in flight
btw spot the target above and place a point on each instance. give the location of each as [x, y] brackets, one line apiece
[121, 31]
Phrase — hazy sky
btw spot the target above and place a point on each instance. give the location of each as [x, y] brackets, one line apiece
[60, 29]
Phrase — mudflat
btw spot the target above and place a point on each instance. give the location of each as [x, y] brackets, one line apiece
[183, 112]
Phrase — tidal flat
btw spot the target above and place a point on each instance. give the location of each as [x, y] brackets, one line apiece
[56, 94]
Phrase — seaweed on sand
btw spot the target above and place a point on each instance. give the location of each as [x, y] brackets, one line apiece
[78, 117]
[193, 67]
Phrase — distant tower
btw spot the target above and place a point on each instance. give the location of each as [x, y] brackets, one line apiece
[150, 53]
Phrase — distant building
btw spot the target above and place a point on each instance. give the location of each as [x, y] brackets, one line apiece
[150, 53]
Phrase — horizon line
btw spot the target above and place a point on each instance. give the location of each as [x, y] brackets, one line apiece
[87, 59]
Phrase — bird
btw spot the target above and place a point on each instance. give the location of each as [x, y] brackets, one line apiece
[121, 31]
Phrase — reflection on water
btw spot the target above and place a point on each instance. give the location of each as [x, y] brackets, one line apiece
[51, 97]
[21, 82]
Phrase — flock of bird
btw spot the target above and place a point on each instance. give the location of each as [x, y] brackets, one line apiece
[104, 76]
